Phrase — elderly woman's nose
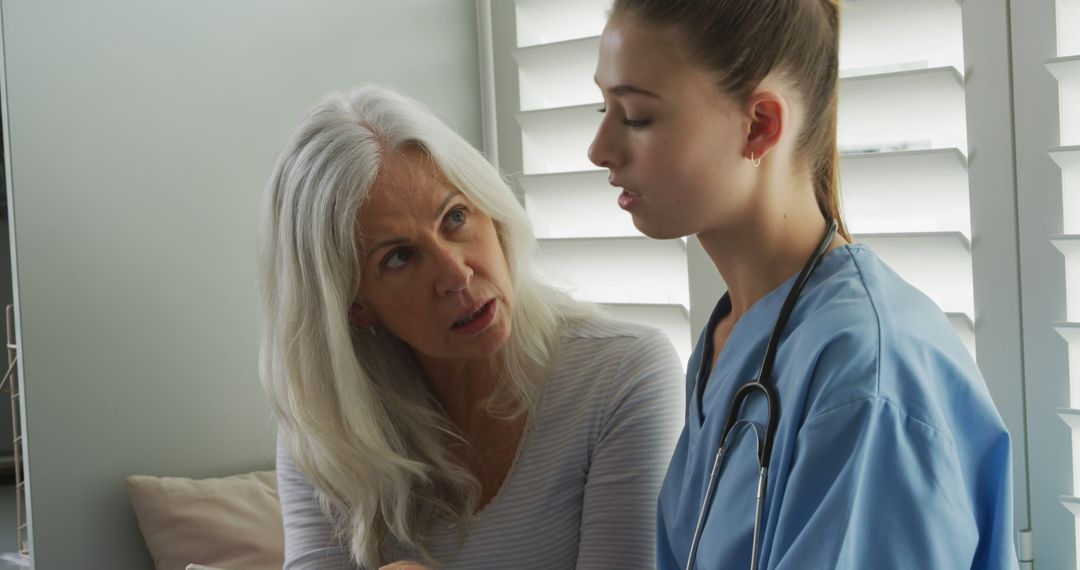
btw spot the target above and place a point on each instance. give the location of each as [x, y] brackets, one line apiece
[452, 270]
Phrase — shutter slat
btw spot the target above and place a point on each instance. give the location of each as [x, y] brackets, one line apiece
[550, 21]
[557, 140]
[1071, 503]
[1068, 160]
[1067, 157]
[1069, 246]
[888, 32]
[558, 75]
[922, 190]
[906, 110]
[542, 177]
[1067, 13]
[1067, 72]
[1069, 331]
[1065, 68]
[1071, 418]
[578, 211]
[572, 204]
[618, 270]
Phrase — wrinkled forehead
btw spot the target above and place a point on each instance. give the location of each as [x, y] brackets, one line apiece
[408, 190]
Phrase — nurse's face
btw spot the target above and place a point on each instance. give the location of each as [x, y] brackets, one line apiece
[670, 138]
[433, 269]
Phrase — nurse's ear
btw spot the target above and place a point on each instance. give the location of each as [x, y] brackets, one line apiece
[769, 118]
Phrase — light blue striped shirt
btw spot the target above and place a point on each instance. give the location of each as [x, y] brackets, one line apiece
[582, 490]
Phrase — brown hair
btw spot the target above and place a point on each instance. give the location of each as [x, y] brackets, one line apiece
[742, 41]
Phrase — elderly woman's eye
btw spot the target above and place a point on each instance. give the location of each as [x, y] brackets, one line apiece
[396, 259]
[455, 218]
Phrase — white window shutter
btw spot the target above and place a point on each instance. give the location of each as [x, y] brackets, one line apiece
[1065, 68]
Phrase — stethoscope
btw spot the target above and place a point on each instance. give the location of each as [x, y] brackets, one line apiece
[756, 386]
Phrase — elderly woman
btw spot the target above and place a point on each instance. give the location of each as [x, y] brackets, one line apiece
[435, 401]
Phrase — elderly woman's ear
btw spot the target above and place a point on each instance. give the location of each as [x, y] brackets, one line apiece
[360, 315]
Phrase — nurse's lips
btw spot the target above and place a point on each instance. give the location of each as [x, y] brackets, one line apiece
[628, 199]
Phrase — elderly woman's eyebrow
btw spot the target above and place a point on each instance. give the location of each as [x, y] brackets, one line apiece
[388, 243]
[438, 214]
[446, 201]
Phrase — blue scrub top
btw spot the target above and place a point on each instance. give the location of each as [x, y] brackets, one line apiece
[889, 451]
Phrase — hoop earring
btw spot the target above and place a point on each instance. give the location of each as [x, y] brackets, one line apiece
[756, 162]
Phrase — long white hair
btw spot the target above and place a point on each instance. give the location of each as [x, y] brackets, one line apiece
[352, 406]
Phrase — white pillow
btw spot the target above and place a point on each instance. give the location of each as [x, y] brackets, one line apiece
[229, 522]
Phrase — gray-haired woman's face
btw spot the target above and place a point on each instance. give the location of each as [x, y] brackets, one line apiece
[434, 272]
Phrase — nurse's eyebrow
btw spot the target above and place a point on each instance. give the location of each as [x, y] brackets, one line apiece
[627, 89]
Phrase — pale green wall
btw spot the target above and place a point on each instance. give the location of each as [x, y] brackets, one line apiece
[141, 136]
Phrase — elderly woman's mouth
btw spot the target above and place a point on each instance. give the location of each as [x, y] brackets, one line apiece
[477, 320]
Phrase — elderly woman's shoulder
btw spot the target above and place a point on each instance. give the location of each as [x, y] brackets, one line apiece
[605, 365]
[603, 325]
[600, 341]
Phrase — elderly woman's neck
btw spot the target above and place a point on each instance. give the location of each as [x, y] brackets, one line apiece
[460, 386]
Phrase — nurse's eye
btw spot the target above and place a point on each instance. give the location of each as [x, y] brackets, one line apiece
[633, 123]
[455, 218]
[396, 259]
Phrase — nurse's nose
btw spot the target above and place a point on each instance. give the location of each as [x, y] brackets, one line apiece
[603, 151]
[452, 271]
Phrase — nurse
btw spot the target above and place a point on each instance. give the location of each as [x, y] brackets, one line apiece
[719, 121]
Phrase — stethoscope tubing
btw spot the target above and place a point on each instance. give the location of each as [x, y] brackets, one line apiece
[772, 420]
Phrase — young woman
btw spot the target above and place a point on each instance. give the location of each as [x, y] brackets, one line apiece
[870, 436]
[435, 401]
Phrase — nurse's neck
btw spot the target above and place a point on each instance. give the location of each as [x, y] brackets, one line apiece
[767, 244]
